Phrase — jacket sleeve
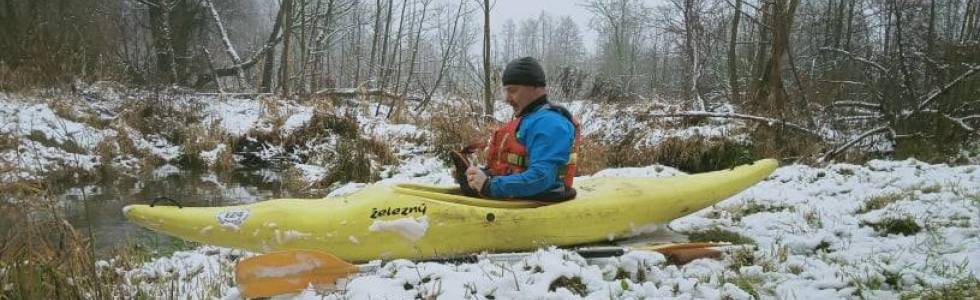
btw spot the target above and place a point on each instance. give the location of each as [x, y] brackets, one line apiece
[549, 142]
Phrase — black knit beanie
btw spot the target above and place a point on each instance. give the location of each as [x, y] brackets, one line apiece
[524, 71]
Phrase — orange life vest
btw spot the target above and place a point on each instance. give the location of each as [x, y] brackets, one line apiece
[507, 156]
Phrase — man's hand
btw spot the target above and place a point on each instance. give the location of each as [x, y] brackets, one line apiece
[476, 178]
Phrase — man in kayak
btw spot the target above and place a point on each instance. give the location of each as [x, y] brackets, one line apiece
[533, 155]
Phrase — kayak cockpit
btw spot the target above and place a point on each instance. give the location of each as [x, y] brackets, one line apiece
[451, 194]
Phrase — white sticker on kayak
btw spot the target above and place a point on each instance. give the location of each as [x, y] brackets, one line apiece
[232, 218]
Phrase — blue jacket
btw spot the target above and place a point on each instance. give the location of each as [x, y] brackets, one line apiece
[548, 137]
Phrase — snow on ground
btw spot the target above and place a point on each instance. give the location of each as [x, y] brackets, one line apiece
[821, 233]
[809, 225]
[44, 141]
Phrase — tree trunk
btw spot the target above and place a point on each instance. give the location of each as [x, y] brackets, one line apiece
[732, 59]
[383, 70]
[160, 14]
[374, 42]
[850, 25]
[487, 89]
[235, 59]
[692, 28]
[287, 8]
[266, 85]
[397, 53]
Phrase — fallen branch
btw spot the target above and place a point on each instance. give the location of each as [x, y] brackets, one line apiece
[967, 118]
[937, 92]
[857, 58]
[961, 121]
[855, 104]
[853, 141]
[858, 118]
[767, 121]
[962, 124]
[844, 82]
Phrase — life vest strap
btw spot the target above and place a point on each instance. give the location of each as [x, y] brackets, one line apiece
[519, 160]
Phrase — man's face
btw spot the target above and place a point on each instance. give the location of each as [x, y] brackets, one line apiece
[520, 95]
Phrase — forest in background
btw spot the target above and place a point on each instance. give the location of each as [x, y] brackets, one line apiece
[896, 77]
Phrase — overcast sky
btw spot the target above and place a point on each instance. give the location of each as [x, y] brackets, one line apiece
[522, 9]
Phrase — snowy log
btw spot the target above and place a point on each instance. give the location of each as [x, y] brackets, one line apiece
[767, 121]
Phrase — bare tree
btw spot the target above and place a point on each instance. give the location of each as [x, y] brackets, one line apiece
[487, 89]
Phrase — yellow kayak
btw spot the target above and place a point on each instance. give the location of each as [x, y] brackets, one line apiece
[424, 222]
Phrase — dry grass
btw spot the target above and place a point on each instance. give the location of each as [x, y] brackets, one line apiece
[753, 207]
[453, 130]
[356, 157]
[64, 108]
[895, 225]
[225, 160]
[8, 141]
[197, 139]
[967, 288]
[161, 115]
[695, 154]
[45, 257]
[881, 201]
[593, 156]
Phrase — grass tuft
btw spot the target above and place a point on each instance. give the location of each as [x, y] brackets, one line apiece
[753, 207]
[573, 284]
[881, 201]
[719, 235]
[967, 288]
[903, 225]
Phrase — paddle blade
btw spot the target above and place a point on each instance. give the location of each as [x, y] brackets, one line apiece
[289, 272]
[683, 253]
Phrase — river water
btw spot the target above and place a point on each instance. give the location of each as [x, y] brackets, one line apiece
[96, 209]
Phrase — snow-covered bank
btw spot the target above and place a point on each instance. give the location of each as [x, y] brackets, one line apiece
[105, 126]
[815, 231]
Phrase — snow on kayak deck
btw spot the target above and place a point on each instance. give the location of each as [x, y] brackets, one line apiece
[811, 226]
[409, 228]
